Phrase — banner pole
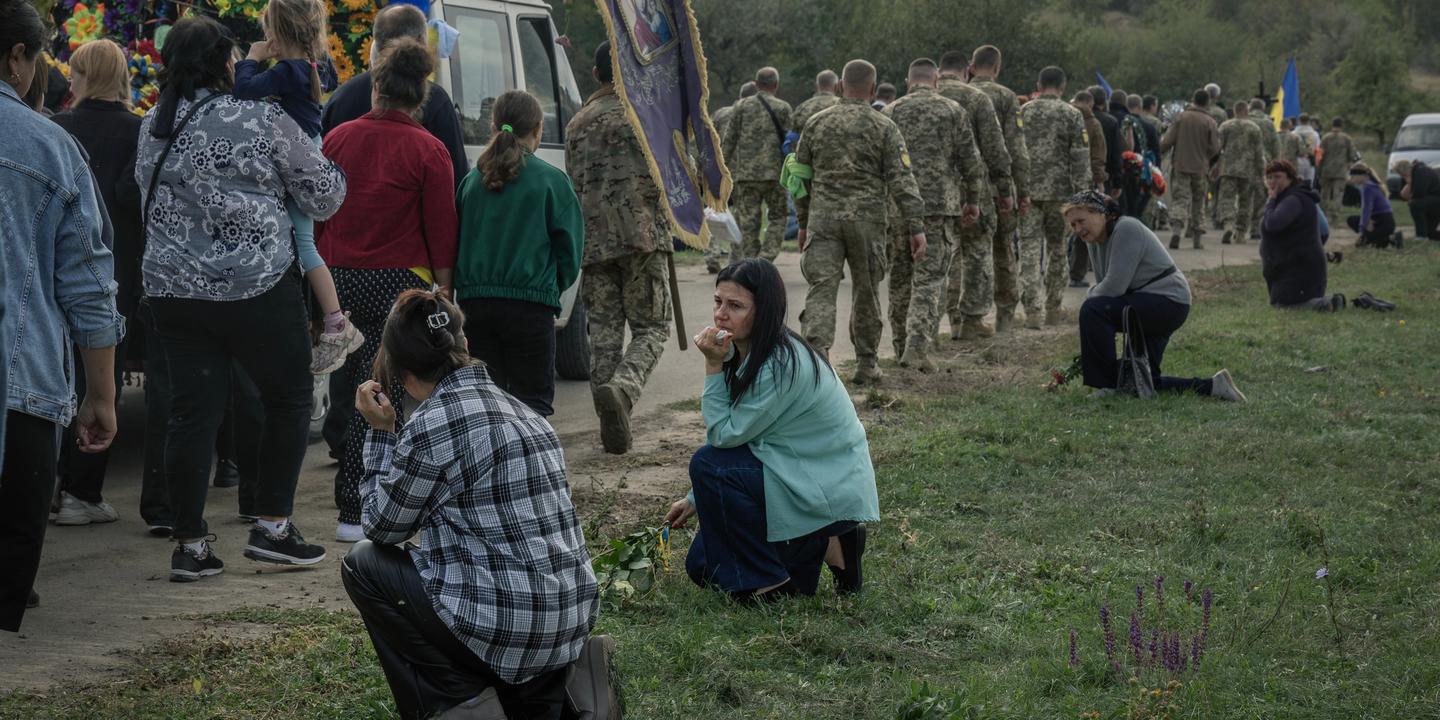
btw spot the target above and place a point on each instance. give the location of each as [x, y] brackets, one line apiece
[675, 303]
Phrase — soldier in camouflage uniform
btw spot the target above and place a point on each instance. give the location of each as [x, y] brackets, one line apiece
[627, 242]
[971, 283]
[984, 69]
[1271, 143]
[716, 255]
[1290, 143]
[942, 149]
[1060, 150]
[751, 148]
[824, 97]
[1216, 110]
[1242, 164]
[1337, 153]
[858, 160]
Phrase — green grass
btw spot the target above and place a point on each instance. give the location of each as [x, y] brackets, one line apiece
[1010, 516]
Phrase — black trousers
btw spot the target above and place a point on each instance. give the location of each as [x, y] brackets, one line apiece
[516, 341]
[154, 489]
[1380, 236]
[429, 670]
[269, 336]
[26, 484]
[1101, 319]
[1426, 212]
[83, 474]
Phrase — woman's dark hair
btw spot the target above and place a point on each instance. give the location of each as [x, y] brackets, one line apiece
[768, 333]
[402, 74]
[196, 57]
[517, 115]
[35, 96]
[20, 25]
[1282, 167]
[424, 336]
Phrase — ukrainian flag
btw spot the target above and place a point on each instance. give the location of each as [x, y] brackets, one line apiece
[1287, 98]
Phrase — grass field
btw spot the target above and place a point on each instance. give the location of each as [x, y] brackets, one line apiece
[1012, 516]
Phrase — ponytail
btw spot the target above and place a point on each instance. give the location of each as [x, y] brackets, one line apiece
[517, 115]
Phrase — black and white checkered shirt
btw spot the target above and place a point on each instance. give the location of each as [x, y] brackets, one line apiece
[482, 478]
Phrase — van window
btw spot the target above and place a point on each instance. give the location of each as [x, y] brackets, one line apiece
[1418, 137]
[559, 99]
[480, 70]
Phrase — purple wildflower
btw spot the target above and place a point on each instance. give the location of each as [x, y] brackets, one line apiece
[1188, 586]
[1109, 632]
[1177, 659]
[1206, 599]
[1074, 652]
[1140, 600]
[1195, 652]
[1154, 648]
[1137, 643]
[1160, 593]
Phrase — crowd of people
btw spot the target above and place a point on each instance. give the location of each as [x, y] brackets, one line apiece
[248, 235]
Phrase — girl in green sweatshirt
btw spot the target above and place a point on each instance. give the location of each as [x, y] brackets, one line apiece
[521, 237]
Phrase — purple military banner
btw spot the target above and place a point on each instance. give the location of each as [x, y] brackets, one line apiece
[660, 77]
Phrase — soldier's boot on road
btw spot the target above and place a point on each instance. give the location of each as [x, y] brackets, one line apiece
[900, 348]
[1004, 320]
[1175, 241]
[1198, 245]
[613, 407]
[917, 356]
[867, 371]
[1226, 238]
[1054, 317]
[1034, 320]
[974, 328]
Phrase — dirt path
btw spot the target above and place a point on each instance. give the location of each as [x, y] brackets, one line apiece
[105, 591]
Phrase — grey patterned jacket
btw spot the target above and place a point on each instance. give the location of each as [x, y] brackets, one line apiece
[218, 228]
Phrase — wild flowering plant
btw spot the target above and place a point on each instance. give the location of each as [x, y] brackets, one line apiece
[1163, 642]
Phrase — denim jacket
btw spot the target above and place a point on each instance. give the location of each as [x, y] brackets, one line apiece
[56, 270]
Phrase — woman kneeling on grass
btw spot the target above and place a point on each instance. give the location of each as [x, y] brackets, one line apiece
[1292, 253]
[1132, 270]
[785, 481]
[499, 593]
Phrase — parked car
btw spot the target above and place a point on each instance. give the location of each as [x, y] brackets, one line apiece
[1418, 139]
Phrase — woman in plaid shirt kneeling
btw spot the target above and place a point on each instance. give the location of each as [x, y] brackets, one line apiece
[499, 592]
[784, 481]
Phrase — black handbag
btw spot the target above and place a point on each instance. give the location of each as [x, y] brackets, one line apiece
[1135, 379]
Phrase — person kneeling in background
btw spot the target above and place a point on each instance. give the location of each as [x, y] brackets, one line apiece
[785, 480]
[1376, 222]
[1292, 256]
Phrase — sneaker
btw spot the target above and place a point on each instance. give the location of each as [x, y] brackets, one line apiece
[1103, 393]
[74, 511]
[332, 348]
[1223, 387]
[227, 474]
[613, 407]
[349, 533]
[186, 565]
[287, 548]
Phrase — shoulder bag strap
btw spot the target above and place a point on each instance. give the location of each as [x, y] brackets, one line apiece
[1134, 334]
[779, 131]
[164, 155]
[1167, 272]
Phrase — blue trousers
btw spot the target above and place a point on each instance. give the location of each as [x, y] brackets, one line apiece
[1101, 318]
[731, 551]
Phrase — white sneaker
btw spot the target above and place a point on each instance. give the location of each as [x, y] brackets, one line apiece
[74, 511]
[1102, 393]
[330, 351]
[349, 533]
[1223, 387]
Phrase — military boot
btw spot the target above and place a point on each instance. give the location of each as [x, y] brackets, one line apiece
[1034, 320]
[1054, 317]
[867, 371]
[1198, 245]
[1004, 321]
[1175, 241]
[974, 328]
[613, 407]
[918, 356]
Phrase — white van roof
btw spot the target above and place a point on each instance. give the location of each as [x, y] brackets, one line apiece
[1422, 119]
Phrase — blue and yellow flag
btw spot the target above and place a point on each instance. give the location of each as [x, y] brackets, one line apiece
[1287, 98]
[660, 76]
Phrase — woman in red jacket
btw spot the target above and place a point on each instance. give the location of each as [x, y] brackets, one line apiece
[397, 230]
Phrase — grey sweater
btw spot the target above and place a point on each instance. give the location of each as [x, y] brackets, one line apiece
[1132, 257]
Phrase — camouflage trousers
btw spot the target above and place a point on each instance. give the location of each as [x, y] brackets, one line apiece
[831, 245]
[719, 253]
[746, 200]
[1235, 210]
[1005, 262]
[1332, 195]
[918, 288]
[1043, 273]
[1187, 204]
[632, 290]
[969, 290]
[1257, 206]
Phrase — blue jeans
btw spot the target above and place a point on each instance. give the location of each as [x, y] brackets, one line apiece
[731, 551]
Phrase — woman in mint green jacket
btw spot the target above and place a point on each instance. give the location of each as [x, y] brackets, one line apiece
[521, 237]
[784, 481]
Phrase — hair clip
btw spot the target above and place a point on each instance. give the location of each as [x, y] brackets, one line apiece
[439, 320]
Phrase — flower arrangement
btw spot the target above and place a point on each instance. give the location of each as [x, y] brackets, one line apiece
[85, 24]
